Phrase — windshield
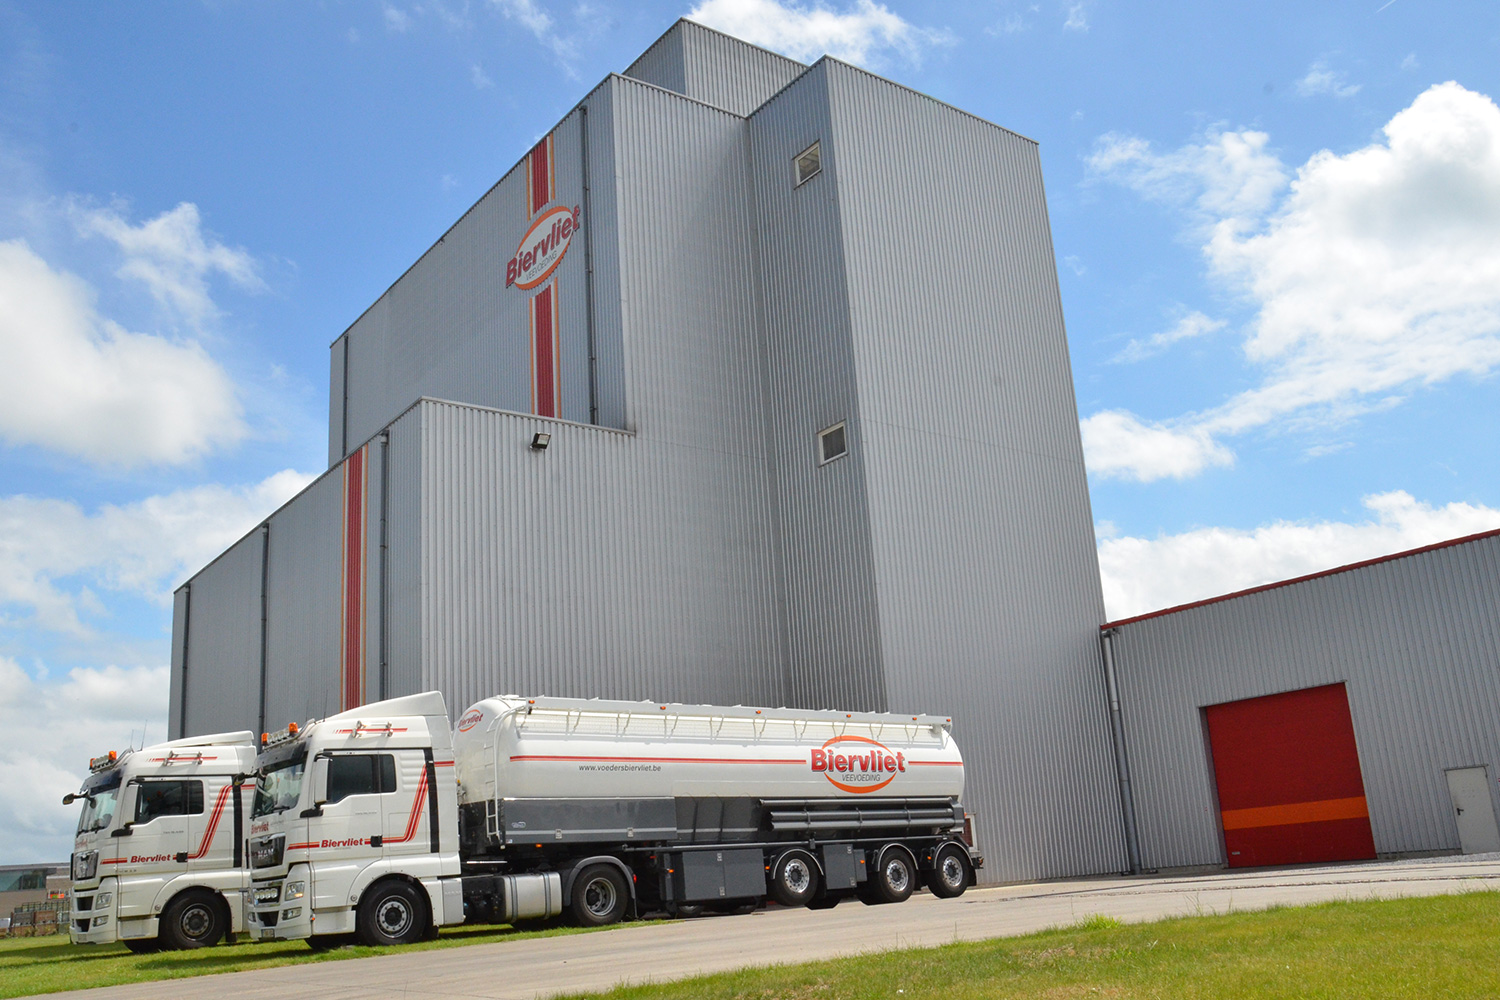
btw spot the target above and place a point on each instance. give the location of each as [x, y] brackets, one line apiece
[99, 808]
[277, 787]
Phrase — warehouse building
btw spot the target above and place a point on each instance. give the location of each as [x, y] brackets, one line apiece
[748, 384]
[1335, 717]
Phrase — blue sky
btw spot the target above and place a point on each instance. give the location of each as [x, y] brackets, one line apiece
[1277, 228]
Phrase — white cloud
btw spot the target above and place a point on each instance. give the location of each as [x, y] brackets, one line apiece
[1119, 444]
[1410, 62]
[1194, 324]
[537, 21]
[1321, 80]
[1149, 574]
[396, 19]
[173, 258]
[53, 553]
[1373, 273]
[859, 33]
[1078, 18]
[479, 78]
[78, 383]
[48, 732]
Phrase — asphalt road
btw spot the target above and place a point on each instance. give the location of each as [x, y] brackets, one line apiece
[675, 949]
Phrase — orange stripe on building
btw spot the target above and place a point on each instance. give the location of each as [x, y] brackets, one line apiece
[1320, 811]
[352, 620]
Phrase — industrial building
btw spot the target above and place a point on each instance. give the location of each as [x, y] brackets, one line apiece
[749, 384]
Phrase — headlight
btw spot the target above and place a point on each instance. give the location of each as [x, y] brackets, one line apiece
[101, 921]
[294, 890]
[291, 914]
[270, 894]
[103, 899]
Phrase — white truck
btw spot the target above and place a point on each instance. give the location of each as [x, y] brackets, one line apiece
[379, 823]
[158, 855]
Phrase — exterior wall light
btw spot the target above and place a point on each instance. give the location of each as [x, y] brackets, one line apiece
[540, 440]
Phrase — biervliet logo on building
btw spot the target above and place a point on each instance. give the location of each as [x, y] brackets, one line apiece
[862, 767]
[543, 247]
[472, 718]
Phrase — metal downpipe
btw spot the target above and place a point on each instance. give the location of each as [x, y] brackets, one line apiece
[1122, 757]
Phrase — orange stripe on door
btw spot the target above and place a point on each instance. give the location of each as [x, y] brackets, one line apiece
[1290, 813]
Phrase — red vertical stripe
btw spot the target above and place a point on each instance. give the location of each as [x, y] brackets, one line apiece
[351, 683]
[541, 176]
[544, 362]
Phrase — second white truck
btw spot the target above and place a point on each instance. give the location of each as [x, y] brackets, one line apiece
[381, 823]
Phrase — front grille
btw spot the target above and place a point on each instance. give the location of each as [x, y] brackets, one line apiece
[83, 902]
[83, 924]
[268, 919]
[267, 851]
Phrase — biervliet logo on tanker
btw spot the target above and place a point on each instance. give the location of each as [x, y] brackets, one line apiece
[543, 247]
[863, 765]
[472, 718]
[146, 859]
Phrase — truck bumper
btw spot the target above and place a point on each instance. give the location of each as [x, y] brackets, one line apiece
[90, 923]
[269, 916]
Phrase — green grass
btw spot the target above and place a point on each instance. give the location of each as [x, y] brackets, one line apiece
[1440, 947]
[50, 964]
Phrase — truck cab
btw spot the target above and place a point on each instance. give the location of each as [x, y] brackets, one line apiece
[346, 833]
[157, 857]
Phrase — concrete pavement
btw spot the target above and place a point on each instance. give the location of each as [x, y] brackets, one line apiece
[664, 950]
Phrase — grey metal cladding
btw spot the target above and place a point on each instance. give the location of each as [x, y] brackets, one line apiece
[451, 328]
[610, 565]
[721, 70]
[1416, 641]
[662, 63]
[981, 533]
[336, 399]
[223, 668]
[403, 573]
[833, 630]
[175, 679]
[602, 230]
[624, 565]
[714, 68]
[304, 604]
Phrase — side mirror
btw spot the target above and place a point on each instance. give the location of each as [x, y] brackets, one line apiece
[70, 798]
[320, 781]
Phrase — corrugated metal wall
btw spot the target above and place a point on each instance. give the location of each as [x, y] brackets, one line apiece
[714, 68]
[220, 673]
[609, 565]
[1417, 642]
[833, 631]
[403, 573]
[303, 596]
[449, 328]
[981, 533]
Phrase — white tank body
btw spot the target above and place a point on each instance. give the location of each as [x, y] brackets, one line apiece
[514, 748]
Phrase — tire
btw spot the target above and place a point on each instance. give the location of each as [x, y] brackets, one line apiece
[600, 895]
[143, 946]
[686, 911]
[193, 919]
[893, 880]
[391, 913]
[950, 874]
[793, 880]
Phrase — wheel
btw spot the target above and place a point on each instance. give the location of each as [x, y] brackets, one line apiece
[392, 912]
[194, 919]
[893, 879]
[950, 872]
[143, 946]
[793, 880]
[684, 911]
[599, 896]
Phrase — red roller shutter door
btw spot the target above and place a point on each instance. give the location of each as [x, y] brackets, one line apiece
[1290, 787]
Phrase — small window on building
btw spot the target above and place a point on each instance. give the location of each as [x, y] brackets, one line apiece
[168, 798]
[360, 774]
[831, 444]
[808, 163]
